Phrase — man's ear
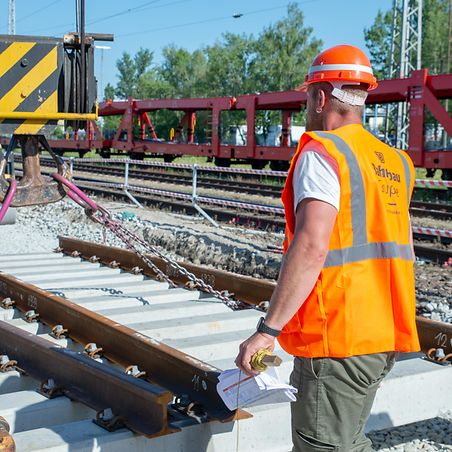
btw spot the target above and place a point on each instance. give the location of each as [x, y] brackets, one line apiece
[321, 100]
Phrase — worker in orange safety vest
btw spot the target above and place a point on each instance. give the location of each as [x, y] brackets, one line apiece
[345, 299]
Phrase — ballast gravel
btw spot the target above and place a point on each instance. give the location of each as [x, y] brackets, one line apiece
[234, 249]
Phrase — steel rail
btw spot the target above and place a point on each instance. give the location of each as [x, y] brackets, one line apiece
[432, 334]
[432, 254]
[165, 366]
[419, 209]
[250, 187]
[245, 288]
[256, 181]
[141, 406]
[245, 218]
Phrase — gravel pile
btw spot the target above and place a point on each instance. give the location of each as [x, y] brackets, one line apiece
[232, 249]
[434, 292]
[433, 435]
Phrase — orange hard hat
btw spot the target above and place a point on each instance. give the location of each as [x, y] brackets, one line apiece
[344, 64]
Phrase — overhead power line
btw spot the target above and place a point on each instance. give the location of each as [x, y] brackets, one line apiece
[140, 8]
[213, 19]
[38, 11]
[121, 13]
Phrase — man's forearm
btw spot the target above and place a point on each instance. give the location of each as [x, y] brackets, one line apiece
[299, 272]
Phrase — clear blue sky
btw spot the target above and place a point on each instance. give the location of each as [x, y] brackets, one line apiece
[191, 24]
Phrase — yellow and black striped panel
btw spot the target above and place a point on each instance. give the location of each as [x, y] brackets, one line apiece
[30, 73]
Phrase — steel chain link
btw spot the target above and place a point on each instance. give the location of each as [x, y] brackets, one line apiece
[104, 218]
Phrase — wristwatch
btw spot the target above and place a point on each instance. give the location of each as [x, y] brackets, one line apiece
[263, 328]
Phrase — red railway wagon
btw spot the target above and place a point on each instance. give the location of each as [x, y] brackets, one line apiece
[422, 91]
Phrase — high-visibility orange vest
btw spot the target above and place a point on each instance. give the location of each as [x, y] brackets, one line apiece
[364, 298]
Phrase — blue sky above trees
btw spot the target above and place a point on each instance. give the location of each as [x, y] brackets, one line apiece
[188, 23]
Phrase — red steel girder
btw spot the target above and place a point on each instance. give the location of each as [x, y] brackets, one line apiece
[421, 90]
[395, 90]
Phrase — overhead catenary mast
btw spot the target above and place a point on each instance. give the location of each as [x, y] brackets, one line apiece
[405, 56]
[11, 17]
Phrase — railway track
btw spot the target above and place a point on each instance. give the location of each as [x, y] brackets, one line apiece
[115, 324]
[231, 183]
[247, 218]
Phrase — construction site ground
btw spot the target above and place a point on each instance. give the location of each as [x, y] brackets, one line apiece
[233, 249]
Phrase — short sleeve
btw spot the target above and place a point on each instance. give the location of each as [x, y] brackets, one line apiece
[314, 177]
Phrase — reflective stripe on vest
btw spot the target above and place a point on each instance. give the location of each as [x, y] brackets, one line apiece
[406, 167]
[373, 250]
[362, 249]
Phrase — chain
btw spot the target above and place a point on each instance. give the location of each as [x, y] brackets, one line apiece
[103, 216]
[105, 219]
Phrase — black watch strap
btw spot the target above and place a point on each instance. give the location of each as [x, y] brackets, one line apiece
[263, 328]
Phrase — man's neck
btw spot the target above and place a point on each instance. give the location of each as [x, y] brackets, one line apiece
[334, 121]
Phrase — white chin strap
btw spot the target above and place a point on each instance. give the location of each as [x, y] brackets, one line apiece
[344, 96]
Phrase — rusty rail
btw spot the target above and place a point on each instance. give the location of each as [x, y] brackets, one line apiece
[6, 440]
[165, 366]
[245, 288]
[432, 334]
[139, 405]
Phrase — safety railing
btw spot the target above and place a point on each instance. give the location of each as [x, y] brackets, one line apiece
[195, 169]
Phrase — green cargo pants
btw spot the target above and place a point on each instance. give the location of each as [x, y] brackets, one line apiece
[335, 396]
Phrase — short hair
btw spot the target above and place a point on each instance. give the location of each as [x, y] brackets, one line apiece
[341, 107]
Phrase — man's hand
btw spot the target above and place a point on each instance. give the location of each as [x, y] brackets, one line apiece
[248, 348]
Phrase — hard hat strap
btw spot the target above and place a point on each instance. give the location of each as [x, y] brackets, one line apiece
[344, 96]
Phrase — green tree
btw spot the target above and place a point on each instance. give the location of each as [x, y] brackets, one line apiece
[435, 36]
[109, 91]
[435, 18]
[130, 72]
[378, 41]
[184, 72]
[228, 68]
[283, 53]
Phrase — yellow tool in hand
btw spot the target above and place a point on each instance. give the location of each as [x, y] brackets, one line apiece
[263, 359]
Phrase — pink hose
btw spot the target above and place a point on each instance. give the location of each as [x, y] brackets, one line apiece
[8, 199]
[75, 193]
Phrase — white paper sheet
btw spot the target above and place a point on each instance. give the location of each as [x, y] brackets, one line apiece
[238, 390]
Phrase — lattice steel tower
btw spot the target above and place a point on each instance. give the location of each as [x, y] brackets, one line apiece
[406, 45]
[12, 17]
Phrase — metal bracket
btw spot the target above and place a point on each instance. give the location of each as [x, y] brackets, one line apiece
[134, 371]
[108, 421]
[191, 409]
[191, 285]
[7, 303]
[50, 390]
[6, 364]
[31, 316]
[59, 332]
[437, 356]
[92, 350]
